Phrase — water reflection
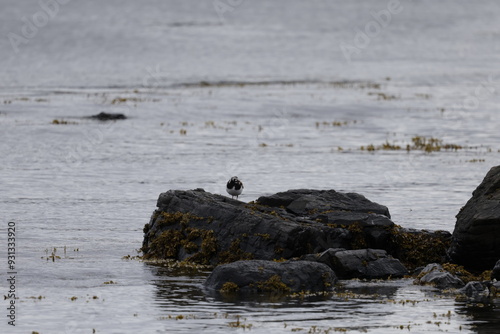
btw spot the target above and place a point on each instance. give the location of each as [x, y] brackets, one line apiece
[485, 317]
[177, 286]
[363, 306]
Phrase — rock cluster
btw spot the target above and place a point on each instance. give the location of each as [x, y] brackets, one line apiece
[339, 233]
[200, 227]
[304, 240]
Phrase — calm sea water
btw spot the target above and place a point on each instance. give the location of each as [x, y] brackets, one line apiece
[212, 89]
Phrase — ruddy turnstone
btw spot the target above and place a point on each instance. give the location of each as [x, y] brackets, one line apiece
[234, 187]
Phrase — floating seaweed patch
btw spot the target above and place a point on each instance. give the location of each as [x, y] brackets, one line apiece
[419, 143]
[325, 124]
[63, 122]
[383, 96]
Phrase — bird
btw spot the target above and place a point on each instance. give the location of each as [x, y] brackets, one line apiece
[234, 187]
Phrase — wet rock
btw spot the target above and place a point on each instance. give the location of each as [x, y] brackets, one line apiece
[204, 228]
[328, 256]
[477, 230]
[435, 274]
[431, 267]
[442, 280]
[368, 222]
[494, 288]
[476, 290]
[201, 227]
[258, 276]
[495, 274]
[362, 263]
[103, 116]
[322, 202]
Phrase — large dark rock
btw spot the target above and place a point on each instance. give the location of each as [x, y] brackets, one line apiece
[258, 276]
[201, 227]
[477, 231]
[204, 228]
[362, 263]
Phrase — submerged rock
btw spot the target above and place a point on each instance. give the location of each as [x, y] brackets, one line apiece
[104, 116]
[258, 276]
[477, 230]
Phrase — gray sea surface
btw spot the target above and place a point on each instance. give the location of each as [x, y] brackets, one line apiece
[284, 94]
